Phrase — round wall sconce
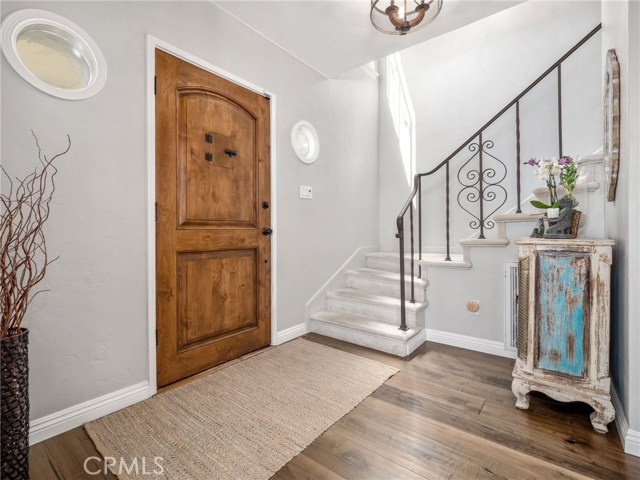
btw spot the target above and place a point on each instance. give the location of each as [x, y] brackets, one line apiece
[53, 54]
[305, 142]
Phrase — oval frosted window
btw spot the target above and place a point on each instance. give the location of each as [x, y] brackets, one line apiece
[53, 54]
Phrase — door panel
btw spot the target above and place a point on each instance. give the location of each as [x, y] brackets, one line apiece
[562, 313]
[213, 262]
[216, 150]
[216, 295]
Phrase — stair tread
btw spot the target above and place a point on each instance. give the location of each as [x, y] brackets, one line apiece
[485, 242]
[433, 259]
[453, 264]
[372, 298]
[457, 257]
[518, 217]
[365, 324]
[386, 275]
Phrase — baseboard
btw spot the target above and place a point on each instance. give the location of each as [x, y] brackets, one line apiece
[59, 422]
[632, 443]
[291, 333]
[470, 343]
[630, 438]
[416, 341]
[72, 417]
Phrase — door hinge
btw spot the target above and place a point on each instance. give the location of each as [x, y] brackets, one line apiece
[155, 85]
[156, 211]
[157, 340]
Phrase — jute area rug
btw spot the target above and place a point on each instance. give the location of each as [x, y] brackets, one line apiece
[243, 422]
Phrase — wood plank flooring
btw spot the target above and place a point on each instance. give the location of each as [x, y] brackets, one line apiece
[448, 414]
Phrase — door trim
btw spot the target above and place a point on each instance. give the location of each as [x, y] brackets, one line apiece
[154, 43]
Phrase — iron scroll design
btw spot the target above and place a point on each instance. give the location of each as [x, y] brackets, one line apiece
[482, 184]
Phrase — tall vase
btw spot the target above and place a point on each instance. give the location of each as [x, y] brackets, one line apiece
[14, 399]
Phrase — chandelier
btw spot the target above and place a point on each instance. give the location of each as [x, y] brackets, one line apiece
[399, 17]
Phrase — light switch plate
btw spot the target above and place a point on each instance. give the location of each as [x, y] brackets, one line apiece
[306, 192]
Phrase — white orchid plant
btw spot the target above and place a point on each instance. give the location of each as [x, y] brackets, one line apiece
[551, 170]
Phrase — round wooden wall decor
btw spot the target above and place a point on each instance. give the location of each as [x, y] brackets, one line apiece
[611, 146]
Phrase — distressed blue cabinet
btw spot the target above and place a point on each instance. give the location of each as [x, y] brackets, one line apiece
[563, 324]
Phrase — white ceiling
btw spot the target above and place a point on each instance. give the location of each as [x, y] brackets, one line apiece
[335, 36]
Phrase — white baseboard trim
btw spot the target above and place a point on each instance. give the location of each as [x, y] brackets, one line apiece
[470, 343]
[59, 422]
[416, 341]
[632, 443]
[291, 333]
[630, 438]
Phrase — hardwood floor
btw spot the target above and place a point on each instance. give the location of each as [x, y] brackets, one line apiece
[448, 414]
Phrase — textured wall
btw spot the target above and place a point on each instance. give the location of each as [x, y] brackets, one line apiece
[460, 80]
[621, 25]
[457, 82]
[89, 332]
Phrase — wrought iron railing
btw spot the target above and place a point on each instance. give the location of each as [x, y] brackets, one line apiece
[479, 186]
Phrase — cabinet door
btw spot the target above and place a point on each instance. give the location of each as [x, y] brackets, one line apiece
[562, 312]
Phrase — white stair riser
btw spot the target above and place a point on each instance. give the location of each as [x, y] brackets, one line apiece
[384, 287]
[388, 345]
[389, 315]
[391, 264]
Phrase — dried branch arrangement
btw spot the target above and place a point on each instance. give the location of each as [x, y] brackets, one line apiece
[24, 209]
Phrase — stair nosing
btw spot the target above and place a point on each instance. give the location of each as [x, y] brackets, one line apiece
[447, 264]
[405, 336]
[365, 272]
[484, 242]
[415, 307]
[518, 217]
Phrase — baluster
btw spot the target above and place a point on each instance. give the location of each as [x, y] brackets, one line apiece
[481, 187]
[448, 258]
[403, 311]
[413, 298]
[419, 226]
[559, 110]
[518, 192]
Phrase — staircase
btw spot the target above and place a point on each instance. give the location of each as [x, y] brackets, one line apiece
[383, 303]
[366, 312]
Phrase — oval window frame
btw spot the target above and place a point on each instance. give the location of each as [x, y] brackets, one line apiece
[18, 21]
[312, 136]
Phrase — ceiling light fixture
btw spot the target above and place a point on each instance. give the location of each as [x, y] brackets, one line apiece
[399, 17]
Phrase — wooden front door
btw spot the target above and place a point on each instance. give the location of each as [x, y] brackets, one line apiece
[213, 259]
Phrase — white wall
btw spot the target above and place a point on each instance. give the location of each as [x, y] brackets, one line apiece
[621, 30]
[459, 80]
[89, 333]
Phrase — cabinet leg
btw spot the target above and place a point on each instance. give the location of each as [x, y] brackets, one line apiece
[603, 415]
[521, 390]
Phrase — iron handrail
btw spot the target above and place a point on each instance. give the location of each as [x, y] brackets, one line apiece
[417, 178]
